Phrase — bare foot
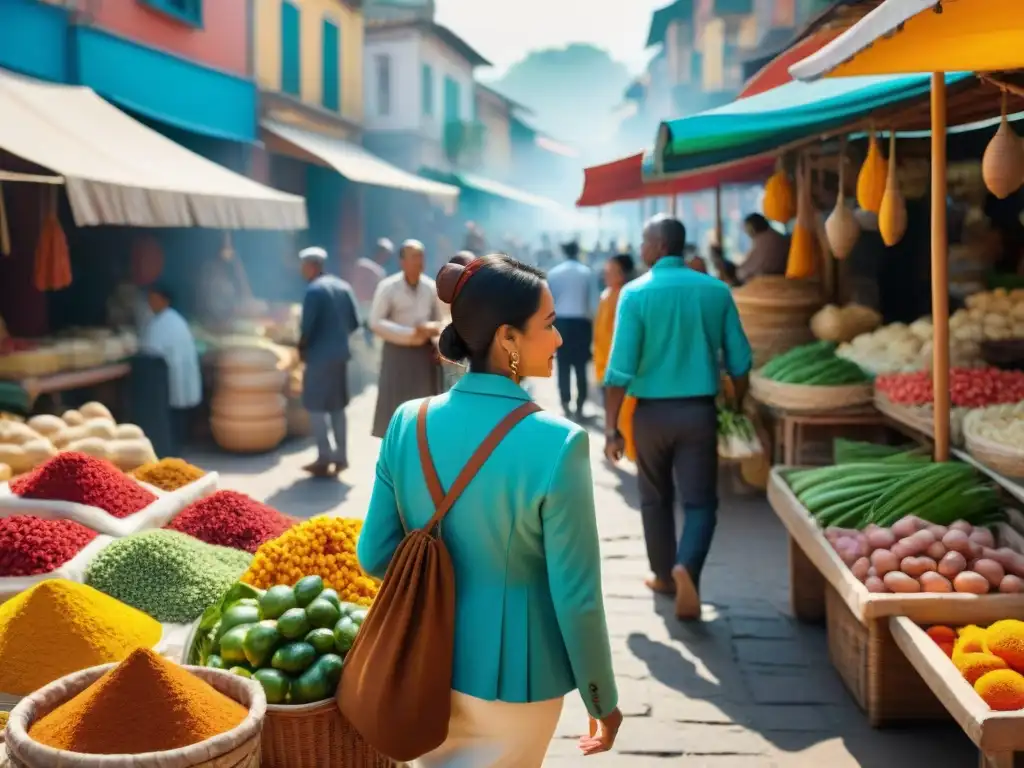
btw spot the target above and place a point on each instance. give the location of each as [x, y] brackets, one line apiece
[660, 586]
[687, 598]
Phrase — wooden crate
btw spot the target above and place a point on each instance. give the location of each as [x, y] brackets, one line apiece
[999, 736]
[883, 683]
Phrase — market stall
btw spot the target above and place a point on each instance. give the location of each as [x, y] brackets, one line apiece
[155, 575]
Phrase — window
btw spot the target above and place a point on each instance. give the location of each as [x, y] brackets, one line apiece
[452, 98]
[330, 97]
[189, 11]
[427, 88]
[383, 64]
[291, 67]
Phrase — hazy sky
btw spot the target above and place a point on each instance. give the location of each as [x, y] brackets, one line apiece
[505, 31]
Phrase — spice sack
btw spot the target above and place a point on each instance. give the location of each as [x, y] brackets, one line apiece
[160, 507]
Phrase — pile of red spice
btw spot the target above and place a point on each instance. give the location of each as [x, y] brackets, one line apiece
[232, 519]
[30, 545]
[84, 479]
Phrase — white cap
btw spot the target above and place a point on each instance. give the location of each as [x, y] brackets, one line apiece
[313, 254]
[385, 244]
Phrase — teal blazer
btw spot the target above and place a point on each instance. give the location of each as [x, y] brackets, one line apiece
[530, 622]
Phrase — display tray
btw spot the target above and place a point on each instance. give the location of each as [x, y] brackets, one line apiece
[803, 397]
[999, 736]
[918, 422]
[860, 642]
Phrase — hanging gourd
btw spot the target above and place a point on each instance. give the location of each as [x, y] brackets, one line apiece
[872, 177]
[892, 217]
[841, 227]
[779, 201]
[803, 245]
[1002, 166]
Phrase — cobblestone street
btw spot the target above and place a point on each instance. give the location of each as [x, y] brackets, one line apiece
[748, 688]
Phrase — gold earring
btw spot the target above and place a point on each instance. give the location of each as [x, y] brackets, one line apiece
[513, 362]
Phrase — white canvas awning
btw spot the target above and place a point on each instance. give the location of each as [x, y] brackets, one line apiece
[358, 164]
[118, 171]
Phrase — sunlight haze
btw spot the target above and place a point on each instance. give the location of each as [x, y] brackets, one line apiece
[504, 32]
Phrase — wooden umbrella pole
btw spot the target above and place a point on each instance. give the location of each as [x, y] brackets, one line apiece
[940, 271]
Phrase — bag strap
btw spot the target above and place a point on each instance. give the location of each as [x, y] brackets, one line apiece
[443, 502]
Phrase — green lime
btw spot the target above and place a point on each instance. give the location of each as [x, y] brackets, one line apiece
[312, 685]
[294, 657]
[260, 643]
[216, 662]
[345, 632]
[331, 596]
[241, 671]
[276, 601]
[321, 613]
[330, 664]
[347, 608]
[359, 615]
[307, 590]
[322, 640]
[275, 684]
[293, 624]
[232, 645]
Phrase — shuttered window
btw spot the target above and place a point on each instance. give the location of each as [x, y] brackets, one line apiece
[331, 98]
[291, 57]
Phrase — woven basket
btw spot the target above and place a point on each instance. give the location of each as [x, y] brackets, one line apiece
[803, 397]
[237, 748]
[996, 456]
[315, 736]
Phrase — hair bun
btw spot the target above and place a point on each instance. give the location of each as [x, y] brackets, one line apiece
[452, 346]
[447, 281]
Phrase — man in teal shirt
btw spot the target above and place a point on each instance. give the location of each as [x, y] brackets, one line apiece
[674, 330]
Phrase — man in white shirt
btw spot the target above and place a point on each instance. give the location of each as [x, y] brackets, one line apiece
[168, 336]
[407, 315]
[574, 289]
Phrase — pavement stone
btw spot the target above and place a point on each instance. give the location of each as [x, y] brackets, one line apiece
[747, 688]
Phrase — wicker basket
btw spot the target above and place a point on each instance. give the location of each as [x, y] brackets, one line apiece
[995, 456]
[238, 748]
[874, 669]
[802, 397]
[314, 736]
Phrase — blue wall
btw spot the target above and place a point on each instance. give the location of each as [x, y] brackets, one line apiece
[34, 39]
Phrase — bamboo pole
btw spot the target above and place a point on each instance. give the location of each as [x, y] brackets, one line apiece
[940, 271]
[718, 217]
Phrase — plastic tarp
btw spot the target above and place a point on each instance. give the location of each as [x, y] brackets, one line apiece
[118, 171]
[623, 179]
[909, 36]
[792, 112]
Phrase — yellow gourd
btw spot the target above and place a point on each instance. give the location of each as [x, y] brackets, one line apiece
[803, 246]
[841, 227]
[872, 177]
[892, 216]
[779, 201]
[1002, 166]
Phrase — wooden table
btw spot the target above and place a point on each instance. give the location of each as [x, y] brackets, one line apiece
[790, 426]
[66, 381]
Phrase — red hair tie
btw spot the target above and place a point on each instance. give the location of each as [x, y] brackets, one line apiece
[467, 272]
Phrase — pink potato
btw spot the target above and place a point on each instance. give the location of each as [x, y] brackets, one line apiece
[875, 584]
[881, 539]
[938, 531]
[915, 544]
[916, 566]
[972, 583]
[961, 525]
[884, 561]
[900, 582]
[1011, 584]
[907, 526]
[860, 568]
[1012, 562]
[936, 551]
[990, 569]
[983, 536]
[952, 564]
[848, 551]
[958, 541]
[934, 582]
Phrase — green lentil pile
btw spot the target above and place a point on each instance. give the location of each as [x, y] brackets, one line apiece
[167, 574]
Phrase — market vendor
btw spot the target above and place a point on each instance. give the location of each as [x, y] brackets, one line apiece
[168, 336]
[672, 327]
[768, 252]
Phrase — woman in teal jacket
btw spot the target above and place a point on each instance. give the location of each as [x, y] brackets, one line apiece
[530, 623]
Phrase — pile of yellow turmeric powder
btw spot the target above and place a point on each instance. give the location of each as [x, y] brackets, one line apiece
[168, 474]
[990, 659]
[58, 627]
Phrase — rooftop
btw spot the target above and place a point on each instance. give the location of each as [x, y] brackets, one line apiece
[442, 33]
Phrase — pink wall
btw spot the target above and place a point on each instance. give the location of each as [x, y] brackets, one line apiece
[222, 42]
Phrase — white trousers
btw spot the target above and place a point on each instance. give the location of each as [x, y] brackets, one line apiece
[495, 734]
